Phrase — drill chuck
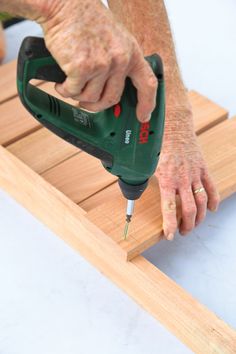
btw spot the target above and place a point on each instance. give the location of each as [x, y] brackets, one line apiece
[130, 191]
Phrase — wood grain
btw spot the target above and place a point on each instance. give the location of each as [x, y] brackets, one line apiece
[60, 176]
[8, 81]
[42, 149]
[79, 177]
[15, 121]
[15, 130]
[191, 322]
[82, 176]
[206, 113]
[219, 148]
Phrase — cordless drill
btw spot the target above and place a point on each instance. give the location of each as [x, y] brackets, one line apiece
[127, 148]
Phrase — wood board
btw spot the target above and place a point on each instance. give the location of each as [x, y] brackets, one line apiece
[200, 329]
[195, 325]
[8, 81]
[146, 228]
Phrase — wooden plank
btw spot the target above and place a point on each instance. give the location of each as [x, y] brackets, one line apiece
[51, 150]
[219, 148]
[15, 121]
[8, 87]
[79, 177]
[206, 113]
[42, 150]
[8, 81]
[190, 321]
[63, 183]
[13, 128]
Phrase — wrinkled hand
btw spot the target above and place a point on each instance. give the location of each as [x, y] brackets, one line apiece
[182, 170]
[97, 53]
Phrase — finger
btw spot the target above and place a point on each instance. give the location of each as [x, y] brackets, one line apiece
[92, 90]
[79, 76]
[168, 207]
[189, 210]
[146, 84]
[212, 193]
[201, 201]
[111, 95]
[71, 87]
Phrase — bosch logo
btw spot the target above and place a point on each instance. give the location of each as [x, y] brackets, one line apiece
[144, 133]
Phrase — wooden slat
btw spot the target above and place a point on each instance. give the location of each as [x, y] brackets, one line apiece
[219, 147]
[13, 128]
[8, 81]
[60, 176]
[8, 88]
[79, 177]
[190, 321]
[42, 149]
[206, 113]
[15, 121]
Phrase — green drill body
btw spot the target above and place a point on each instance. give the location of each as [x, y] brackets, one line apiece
[127, 148]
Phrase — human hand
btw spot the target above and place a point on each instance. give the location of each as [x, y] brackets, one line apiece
[182, 170]
[97, 53]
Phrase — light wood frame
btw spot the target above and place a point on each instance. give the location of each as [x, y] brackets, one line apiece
[195, 325]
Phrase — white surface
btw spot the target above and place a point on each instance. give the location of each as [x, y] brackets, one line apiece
[53, 301]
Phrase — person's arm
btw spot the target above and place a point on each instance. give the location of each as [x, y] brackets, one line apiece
[33, 10]
[95, 51]
[2, 43]
[181, 168]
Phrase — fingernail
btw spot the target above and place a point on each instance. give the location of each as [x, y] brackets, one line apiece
[170, 237]
[213, 209]
[146, 119]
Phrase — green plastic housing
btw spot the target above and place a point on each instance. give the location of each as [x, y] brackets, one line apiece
[118, 140]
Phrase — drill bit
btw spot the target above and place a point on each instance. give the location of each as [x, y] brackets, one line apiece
[129, 213]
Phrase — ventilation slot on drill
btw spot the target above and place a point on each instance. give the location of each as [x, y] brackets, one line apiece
[54, 105]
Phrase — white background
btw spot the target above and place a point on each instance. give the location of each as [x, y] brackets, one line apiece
[53, 301]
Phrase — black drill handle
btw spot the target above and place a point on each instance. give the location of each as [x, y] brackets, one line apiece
[35, 48]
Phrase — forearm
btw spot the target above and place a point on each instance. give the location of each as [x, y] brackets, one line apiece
[148, 22]
[36, 10]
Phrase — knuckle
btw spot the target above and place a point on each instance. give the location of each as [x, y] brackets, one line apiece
[184, 176]
[200, 218]
[121, 59]
[202, 199]
[112, 99]
[90, 97]
[152, 82]
[190, 211]
[85, 64]
[102, 65]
